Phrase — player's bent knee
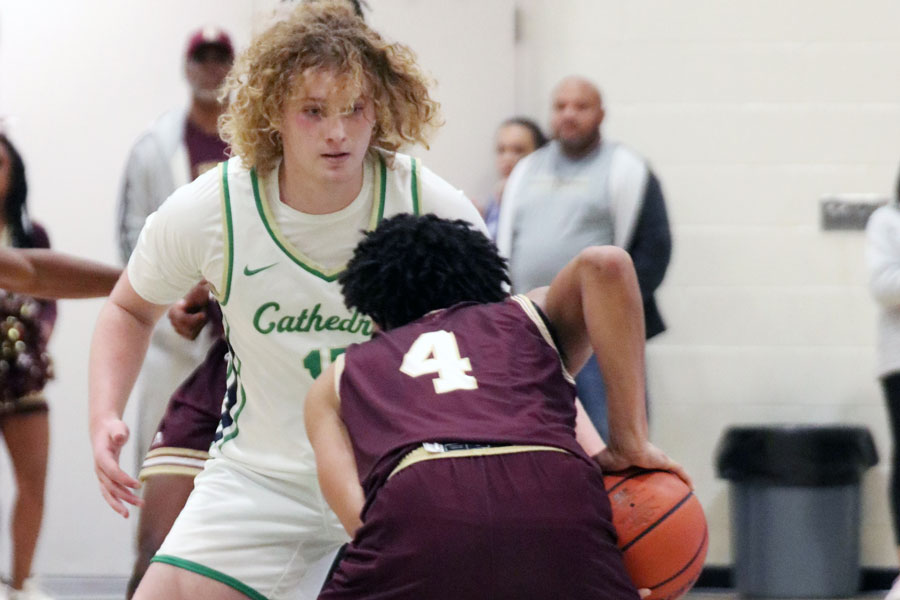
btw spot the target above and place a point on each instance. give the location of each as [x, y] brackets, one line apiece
[609, 262]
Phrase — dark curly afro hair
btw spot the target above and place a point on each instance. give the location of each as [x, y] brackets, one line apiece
[410, 265]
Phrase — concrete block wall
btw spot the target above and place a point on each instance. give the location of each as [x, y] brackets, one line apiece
[750, 113]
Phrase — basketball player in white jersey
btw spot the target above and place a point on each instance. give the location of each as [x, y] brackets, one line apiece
[319, 104]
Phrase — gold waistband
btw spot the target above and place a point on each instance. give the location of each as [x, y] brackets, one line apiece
[421, 454]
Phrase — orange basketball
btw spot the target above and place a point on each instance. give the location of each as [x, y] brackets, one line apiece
[661, 528]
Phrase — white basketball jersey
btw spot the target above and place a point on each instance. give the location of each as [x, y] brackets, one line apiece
[285, 317]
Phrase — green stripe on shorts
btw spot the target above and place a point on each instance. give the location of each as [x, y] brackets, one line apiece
[211, 573]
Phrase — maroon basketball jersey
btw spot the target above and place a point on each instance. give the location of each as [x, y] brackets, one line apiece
[478, 373]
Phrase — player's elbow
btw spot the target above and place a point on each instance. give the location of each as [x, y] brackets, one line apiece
[606, 262]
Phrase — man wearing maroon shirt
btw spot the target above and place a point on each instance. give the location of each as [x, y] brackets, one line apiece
[451, 445]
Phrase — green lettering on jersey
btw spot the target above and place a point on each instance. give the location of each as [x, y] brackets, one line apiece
[268, 319]
[258, 316]
[285, 324]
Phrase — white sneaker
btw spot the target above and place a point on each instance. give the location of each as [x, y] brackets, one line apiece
[894, 592]
[29, 591]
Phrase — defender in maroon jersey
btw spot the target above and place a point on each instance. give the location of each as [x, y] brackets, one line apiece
[450, 445]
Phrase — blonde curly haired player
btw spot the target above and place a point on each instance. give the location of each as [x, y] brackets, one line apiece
[319, 104]
[264, 79]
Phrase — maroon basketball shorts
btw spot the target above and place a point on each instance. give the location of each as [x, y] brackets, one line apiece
[181, 444]
[532, 525]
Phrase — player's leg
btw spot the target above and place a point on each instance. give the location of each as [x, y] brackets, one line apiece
[27, 437]
[164, 497]
[174, 583]
[256, 534]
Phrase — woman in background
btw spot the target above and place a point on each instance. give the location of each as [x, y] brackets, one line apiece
[27, 267]
[517, 137]
[25, 327]
[883, 259]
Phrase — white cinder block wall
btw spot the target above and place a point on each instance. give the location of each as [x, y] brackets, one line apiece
[749, 112]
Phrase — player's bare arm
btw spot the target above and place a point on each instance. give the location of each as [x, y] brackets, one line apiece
[15, 270]
[594, 304]
[50, 274]
[118, 346]
[335, 463]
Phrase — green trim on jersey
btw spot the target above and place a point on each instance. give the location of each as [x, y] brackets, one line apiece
[228, 228]
[271, 225]
[210, 573]
[382, 177]
[414, 184]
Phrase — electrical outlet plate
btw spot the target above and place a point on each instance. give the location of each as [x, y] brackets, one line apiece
[848, 212]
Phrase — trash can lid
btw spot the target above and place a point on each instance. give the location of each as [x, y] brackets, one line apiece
[801, 455]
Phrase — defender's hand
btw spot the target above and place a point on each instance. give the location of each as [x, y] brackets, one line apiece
[189, 315]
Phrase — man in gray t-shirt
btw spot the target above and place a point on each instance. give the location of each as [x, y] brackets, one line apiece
[581, 190]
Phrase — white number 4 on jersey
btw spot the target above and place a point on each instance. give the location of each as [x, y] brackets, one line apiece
[438, 352]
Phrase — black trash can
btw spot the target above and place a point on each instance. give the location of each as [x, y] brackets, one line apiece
[795, 507]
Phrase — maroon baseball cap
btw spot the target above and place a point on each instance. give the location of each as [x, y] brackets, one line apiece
[208, 36]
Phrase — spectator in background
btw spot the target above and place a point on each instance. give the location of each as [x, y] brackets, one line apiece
[883, 260]
[578, 191]
[517, 137]
[25, 327]
[180, 145]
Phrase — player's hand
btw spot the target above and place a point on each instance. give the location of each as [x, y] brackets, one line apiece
[189, 315]
[115, 484]
[647, 457]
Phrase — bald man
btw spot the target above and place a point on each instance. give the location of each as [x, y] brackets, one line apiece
[582, 190]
